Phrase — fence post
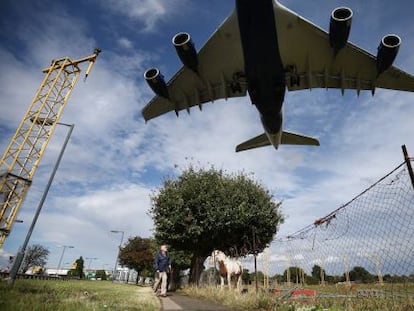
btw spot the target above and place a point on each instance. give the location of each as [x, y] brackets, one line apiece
[408, 163]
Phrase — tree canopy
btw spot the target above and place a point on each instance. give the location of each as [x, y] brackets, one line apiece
[100, 274]
[35, 255]
[203, 210]
[137, 254]
[315, 277]
[360, 274]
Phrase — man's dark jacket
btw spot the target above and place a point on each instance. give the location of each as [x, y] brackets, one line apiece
[162, 262]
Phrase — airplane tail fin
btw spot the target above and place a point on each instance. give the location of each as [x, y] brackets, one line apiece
[287, 139]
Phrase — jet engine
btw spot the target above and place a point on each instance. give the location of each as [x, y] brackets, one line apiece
[156, 82]
[387, 51]
[339, 27]
[186, 50]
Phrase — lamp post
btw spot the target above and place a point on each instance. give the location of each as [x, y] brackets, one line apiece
[119, 249]
[20, 254]
[61, 256]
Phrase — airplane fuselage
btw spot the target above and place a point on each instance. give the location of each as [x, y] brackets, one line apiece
[263, 64]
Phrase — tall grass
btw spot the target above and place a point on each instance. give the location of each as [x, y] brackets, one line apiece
[247, 301]
[27, 295]
[399, 298]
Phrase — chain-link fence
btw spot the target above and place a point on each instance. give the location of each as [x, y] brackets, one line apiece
[365, 248]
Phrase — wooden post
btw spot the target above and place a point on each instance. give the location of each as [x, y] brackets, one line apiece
[408, 162]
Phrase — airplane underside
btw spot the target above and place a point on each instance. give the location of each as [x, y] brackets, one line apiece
[264, 70]
[262, 48]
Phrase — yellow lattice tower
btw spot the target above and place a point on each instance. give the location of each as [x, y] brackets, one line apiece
[25, 150]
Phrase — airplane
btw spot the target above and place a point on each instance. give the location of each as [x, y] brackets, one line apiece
[264, 48]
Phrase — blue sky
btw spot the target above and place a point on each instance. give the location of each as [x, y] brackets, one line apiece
[114, 160]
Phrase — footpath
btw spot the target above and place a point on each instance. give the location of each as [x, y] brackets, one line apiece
[179, 302]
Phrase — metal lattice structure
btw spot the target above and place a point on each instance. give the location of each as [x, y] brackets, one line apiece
[25, 150]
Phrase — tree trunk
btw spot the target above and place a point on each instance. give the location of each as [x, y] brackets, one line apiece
[197, 267]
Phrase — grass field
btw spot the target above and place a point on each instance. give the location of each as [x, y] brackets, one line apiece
[330, 298]
[38, 295]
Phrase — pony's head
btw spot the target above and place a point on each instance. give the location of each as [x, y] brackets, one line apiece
[218, 255]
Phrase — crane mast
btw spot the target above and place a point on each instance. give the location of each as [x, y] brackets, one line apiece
[25, 150]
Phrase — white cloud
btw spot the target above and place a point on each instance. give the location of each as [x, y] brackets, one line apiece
[125, 43]
[149, 12]
[279, 258]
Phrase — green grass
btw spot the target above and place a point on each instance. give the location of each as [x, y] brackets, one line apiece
[331, 298]
[38, 295]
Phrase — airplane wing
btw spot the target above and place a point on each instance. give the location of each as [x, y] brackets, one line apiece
[310, 61]
[221, 74]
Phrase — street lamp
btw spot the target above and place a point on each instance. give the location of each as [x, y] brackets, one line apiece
[119, 249]
[61, 256]
[20, 254]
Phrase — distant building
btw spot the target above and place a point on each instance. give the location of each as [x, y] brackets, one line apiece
[34, 270]
[62, 272]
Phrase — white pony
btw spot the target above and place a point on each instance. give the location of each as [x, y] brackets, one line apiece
[228, 267]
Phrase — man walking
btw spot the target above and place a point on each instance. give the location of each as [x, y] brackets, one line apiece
[162, 264]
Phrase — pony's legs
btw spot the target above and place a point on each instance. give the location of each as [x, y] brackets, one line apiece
[239, 283]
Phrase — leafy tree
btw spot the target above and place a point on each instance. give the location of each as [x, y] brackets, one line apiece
[316, 271]
[100, 274]
[137, 254]
[278, 279]
[78, 270]
[203, 210]
[35, 255]
[246, 277]
[360, 274]
[333, 279]
[315, 276]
